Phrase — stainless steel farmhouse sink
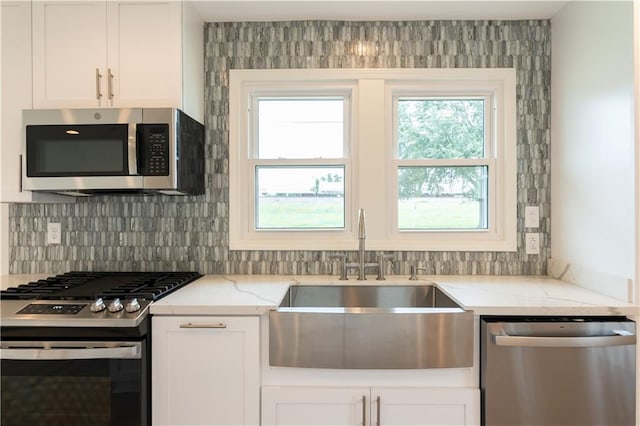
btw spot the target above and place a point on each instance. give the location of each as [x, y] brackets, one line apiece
[370, 327]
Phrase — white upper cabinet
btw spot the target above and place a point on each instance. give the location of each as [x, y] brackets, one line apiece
[117, 54]
[69, 54]
[16, 96]
[144, 54]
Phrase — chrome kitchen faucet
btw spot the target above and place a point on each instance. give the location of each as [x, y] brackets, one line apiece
[361, 265]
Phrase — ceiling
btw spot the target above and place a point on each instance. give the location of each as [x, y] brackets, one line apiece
[374, 10]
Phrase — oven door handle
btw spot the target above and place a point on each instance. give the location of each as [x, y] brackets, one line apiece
[22, 351]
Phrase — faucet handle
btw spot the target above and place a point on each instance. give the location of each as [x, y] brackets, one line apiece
[381, 259]
[342, 257]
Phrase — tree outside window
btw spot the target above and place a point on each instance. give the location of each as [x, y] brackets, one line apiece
[440, 189]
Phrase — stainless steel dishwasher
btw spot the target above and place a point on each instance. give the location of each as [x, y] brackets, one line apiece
[564, 371]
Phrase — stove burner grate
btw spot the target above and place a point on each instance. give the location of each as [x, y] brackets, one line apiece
[107, 285]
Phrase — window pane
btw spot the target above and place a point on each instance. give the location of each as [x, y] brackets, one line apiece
[300, 128]
[299, 197]
[440, 128]
[442, 197]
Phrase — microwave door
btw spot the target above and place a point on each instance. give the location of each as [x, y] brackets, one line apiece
[82, 157]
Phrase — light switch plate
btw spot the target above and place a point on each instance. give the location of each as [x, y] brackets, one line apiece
[532, 217]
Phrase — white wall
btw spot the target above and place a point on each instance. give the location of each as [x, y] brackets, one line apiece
[4, 242]
[636, 24]
[592, 137]
[4, 239]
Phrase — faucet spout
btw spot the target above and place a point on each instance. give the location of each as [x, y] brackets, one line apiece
[362, 231]
[361, 265]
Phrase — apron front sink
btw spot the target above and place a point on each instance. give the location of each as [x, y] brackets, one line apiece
[370, 327]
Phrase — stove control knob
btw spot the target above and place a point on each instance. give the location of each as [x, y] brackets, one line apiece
[132, 306]
[98, 305]
[115, 305]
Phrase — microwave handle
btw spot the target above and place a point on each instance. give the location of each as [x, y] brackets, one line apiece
[132, 151]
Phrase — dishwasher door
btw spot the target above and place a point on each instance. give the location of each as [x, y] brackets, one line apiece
[558, 371]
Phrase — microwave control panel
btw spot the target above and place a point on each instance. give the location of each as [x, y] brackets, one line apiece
[155, 145]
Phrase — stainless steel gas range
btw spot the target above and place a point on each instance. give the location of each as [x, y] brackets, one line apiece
[76, 348]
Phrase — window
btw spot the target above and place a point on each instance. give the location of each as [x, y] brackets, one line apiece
[299, 157]
[429, 154]
[442, 162]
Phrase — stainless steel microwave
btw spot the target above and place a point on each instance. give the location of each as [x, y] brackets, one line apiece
[113, 151]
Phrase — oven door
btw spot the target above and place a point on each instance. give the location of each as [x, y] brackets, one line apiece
[74, 383]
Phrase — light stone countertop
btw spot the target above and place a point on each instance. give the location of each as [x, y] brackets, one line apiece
[485, 295]
[529, 295]
[225, 295]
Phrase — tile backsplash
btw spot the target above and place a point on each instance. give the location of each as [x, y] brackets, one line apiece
[191, 233]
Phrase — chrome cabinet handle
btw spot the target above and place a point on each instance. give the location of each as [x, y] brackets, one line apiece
[203, 325]
[567, 342]
[364, 410]
[378, 410]
[98, 77]
[110, 83]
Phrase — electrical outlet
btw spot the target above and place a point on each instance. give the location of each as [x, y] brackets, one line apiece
[531, 217]
[54, 231]
[532, 243]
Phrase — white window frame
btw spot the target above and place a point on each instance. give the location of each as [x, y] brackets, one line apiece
[255, 161]
[372, 184]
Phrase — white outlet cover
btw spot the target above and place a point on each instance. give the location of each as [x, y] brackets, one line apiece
[532, 243]
[54, 229]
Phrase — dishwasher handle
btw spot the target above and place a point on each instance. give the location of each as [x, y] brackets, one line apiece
[621, 338]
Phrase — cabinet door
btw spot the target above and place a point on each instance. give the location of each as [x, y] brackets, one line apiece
[69, 45]
[205, 371]
[16, 96]
[326, 406]
[425, 406]
[144, 54]
[16, 92]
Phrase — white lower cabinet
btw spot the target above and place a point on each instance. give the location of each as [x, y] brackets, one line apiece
[363, 406]
[205, 370]
[299, 406]
[425, 406]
